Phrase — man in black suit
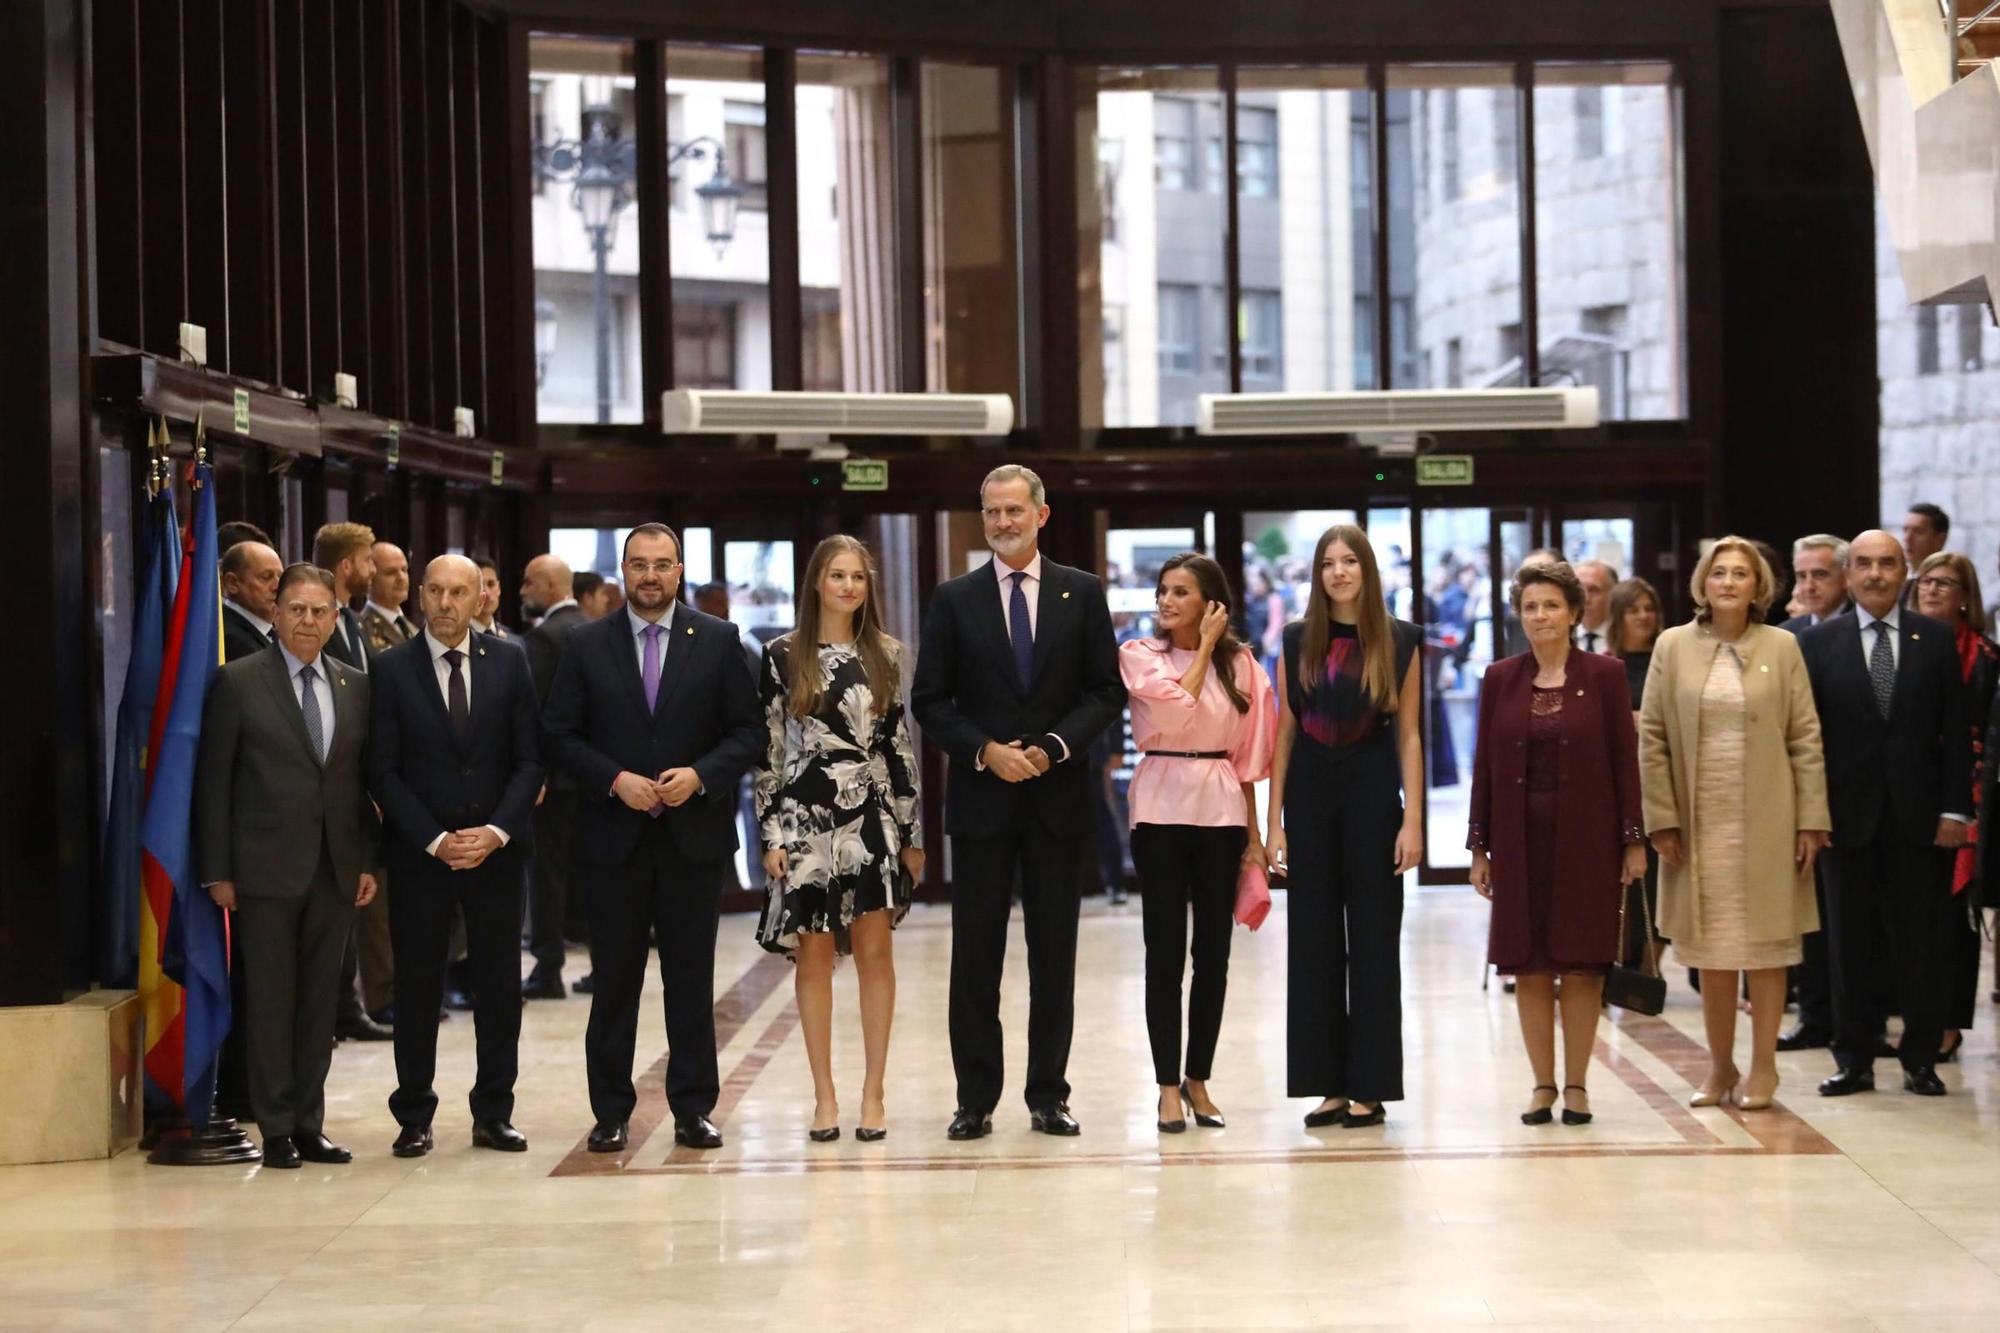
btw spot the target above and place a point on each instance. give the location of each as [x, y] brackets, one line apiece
[250, 573]
[455, 763]
[1898, 763]
[288, 838]
[487, 619]
[546, 586]
[654, 718]
[1926, 531]
[1017, 675]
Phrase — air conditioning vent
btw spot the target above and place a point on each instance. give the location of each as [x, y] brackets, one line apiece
[733, 412]
[1395, 410]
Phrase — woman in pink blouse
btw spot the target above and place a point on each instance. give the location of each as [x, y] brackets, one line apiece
[1202, 719]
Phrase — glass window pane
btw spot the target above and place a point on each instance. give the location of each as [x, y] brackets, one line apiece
[1608, 236]
[1305, 227]
[721, 289]
[589, 550]
[1151, 221]
[1457, 617]
[847, 261]
[585, 216]
[971, 302]
[759, 574]
[1454, 226]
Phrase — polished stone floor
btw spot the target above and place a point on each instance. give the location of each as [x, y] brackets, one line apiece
[1875, 1212]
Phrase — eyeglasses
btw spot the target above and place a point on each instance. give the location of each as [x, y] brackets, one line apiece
[1938, 583]
[660, 567]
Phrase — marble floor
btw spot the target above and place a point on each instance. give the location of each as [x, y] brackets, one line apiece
[1874, 1212]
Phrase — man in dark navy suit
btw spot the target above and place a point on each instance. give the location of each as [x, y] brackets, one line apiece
[1898, 777]
[455, 763]
[654, 718]
[1018, 674]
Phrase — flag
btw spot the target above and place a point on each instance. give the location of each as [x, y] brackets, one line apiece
[119, 928]
[193, 946]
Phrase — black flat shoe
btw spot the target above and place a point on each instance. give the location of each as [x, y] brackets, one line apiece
[1366, 1120]
[1923, 1081]
[1055, 1120]
[865, 1134]
[414, 1141]
[607, 1136]
[1848, 1082]
[1576, 1117]
[827, 1135]
[319, 1148]
[281, 1152]
[1322, 1119]
[697, 1131]
[1541, 1115]
[968, 1125]
[497, 1135]
[1205, 1121]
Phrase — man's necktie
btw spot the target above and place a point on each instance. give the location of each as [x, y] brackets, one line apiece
[1590, 641]
[456, 703]
[403, 628]
[271, 635]
[650, 673]
[1882, 668]
[1020, 630]
[309, 705]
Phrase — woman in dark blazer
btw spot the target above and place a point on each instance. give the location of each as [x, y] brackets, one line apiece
[1555, 828]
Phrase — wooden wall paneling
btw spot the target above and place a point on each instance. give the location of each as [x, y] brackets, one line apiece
[1031, 411]
[907, 232]
[469, 228]
[162, 144]
[119, 172]
[656, 296]
[245, 74]
[413, 74]
[781, 139]
[1059, 342]
[296, 196]
[204, 101]
[352, 109]
[386, 386]
[442, 204]
[510, 235]
[326, 245]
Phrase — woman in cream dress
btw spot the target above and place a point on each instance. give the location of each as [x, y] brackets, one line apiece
[1735, 795]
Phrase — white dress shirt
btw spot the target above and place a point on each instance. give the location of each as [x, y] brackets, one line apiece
[1031, 589]
[1595, 639]
[442, 670]
[322, 688]
[1894, 620]
[640, 625]
[257, 622]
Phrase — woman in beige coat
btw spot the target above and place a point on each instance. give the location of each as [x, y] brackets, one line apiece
[1735, 793]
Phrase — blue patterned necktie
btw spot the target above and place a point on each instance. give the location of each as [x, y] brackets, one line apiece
[1020, 630]
[1882, 668]
[309, 705]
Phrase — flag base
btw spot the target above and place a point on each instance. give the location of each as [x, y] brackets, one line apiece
[222, 1142]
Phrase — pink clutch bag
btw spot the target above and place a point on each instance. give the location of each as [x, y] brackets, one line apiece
[1253, 895]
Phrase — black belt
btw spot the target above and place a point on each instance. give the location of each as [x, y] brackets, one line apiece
[1188, 754]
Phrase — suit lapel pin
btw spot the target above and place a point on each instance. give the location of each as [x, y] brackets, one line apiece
[1579, 694]
[482, 652]
[690, 631]
[1915, 635]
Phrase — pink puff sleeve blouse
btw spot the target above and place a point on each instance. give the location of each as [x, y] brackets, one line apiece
[1207, 793]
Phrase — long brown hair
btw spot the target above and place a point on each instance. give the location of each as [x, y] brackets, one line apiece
[1213, 585]
[878, 652]
[1371, 621]
[1968, 578]
[1624, 597]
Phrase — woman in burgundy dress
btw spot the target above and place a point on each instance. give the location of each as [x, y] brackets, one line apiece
[1555, 828]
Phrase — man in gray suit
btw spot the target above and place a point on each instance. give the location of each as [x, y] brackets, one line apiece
[288, 841]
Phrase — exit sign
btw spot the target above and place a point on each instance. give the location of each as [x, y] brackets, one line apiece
[1444, 470]
[864, 474]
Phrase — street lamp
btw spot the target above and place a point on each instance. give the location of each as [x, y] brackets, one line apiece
[601, 167]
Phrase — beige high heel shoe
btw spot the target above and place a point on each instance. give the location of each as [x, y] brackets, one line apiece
[1750, 1101]
[1720, 1096]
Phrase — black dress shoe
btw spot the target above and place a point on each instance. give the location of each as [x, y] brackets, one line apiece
[584, 985]
[1321, 1119]
[497, 1135]
[319, 1148]
[1205, 1121]
[696, 1131]
[1848, 1082]
[281, 1152]
[1804, 1038]
[1055, 1120]
[607, 1136]
[358, 1026]
[541, 987]
[1923, 1080]
[414, 1141]
[968, 1125]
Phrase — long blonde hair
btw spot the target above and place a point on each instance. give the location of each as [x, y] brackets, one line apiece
[1371, 621]
[878, 652]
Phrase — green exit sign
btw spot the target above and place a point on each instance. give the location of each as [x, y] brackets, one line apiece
[864, 474]
[1444, 470]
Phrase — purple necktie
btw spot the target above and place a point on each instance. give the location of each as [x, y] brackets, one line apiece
[651, 674]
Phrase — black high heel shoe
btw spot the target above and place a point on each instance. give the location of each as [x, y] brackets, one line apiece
[1170, 1126]
[1541, 1115]
[1576, 1117]
[1205, 1121]
[1950, 1057]
[827, 1135]
[868, 1134]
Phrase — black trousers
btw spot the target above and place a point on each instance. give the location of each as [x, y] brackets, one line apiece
[548, 884]
[659, 893]
[421, 913]
[1961, 955]
[1344, 1003]
[1182, 866]
[984, 870]
[232, 1070]
[1900, 892]
[292, 947]
[1814, 974]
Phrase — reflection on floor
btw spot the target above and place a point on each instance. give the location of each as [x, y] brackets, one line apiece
[1875, 1212]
